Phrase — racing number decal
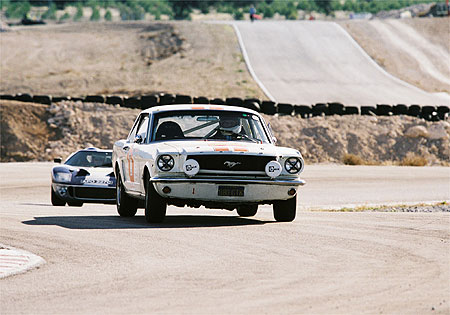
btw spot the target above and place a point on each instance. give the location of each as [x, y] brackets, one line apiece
[130, 164]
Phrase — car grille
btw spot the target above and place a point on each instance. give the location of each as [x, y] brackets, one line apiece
[229, 163]
[94, 193]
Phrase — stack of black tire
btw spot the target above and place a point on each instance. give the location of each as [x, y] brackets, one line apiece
[427, 112]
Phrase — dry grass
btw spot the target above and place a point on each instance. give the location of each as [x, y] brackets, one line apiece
[412, 159]
[353, 159]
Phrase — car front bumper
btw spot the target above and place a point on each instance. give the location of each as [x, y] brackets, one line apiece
[85, 193]
[206, 189]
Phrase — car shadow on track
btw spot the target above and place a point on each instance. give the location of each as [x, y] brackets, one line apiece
[138, 222]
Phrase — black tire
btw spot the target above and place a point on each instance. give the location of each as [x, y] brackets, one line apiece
[155, 205]
[126, 205]
[247, 210]
[56, 201]
[285, 210]
[75, 203]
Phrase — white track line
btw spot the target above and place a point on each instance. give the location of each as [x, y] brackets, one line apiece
[14, 261]
[249, 65]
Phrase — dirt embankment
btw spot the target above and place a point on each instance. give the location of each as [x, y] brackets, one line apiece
[40, 132]
[194, 59]
[128, 58]
[414, 50]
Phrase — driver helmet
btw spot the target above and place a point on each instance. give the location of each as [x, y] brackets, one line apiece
[230, 124]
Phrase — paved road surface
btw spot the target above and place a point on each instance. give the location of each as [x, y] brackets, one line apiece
[204, 261]
[305, 62]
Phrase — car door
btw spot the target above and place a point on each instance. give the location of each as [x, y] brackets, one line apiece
[135, 154]
[127, 159]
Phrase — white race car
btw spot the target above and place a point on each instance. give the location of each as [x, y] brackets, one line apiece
[216, 156]
[86, 176]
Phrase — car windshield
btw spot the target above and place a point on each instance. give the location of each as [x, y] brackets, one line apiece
[90, 159]
[208, 125]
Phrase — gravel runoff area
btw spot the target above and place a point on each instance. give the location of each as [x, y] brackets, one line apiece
[440, 207]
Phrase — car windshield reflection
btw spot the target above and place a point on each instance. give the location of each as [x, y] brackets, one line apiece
[90, 159]
[209, 125]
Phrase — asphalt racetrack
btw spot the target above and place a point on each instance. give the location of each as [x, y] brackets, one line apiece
[304, 62]
[211, 261]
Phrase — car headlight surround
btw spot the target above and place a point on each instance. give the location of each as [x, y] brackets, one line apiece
[293, 165]
[165, 162]
[63, 177]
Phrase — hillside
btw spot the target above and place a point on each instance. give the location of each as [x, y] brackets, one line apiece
[42, 132]
[182, 58]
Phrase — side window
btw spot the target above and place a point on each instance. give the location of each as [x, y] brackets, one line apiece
[133, 130]
[139, 128]
[142, 128]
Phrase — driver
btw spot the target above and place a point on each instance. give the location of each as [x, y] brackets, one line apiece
[229, 126]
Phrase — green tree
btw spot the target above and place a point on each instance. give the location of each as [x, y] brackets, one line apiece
[108, 15]
[79, 14]
[95, 16]
[238, 14]
[4, 4]
[50, 14]
[324, 6]
[17, 9]
[65, 16]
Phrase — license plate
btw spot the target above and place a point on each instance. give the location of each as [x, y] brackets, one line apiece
[231, 191]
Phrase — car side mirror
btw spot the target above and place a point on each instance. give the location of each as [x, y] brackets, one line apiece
[274, 139]
[57, 160]
[138, 139]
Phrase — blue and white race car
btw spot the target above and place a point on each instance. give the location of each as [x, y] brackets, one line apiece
[86, 176]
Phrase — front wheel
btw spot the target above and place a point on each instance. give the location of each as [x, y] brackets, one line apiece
[155, 205]
[285, 210]
[56, 201]
[247, 211]
[126, 206]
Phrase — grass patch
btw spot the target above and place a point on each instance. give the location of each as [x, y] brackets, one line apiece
[412, 159]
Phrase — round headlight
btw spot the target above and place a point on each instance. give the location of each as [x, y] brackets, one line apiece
[165, 163]
[293, 165]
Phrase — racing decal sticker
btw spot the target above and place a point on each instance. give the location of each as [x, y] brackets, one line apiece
[221, 149]
[96, 181]
[130, 164]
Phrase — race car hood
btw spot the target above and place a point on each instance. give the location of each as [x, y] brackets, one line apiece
[103, 176]
[237, 147]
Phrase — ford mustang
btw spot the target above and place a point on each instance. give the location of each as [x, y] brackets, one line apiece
[86, 176]
[214, 156]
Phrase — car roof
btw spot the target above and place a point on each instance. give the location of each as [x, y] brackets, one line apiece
[93, 149]
[167, 108]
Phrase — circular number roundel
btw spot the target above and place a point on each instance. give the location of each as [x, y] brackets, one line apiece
[273, 169]
[191, 167]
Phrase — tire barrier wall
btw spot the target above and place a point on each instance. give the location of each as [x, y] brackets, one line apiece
[427, 112]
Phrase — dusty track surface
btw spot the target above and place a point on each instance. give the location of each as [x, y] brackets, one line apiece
[204, 261]
[312, 62]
